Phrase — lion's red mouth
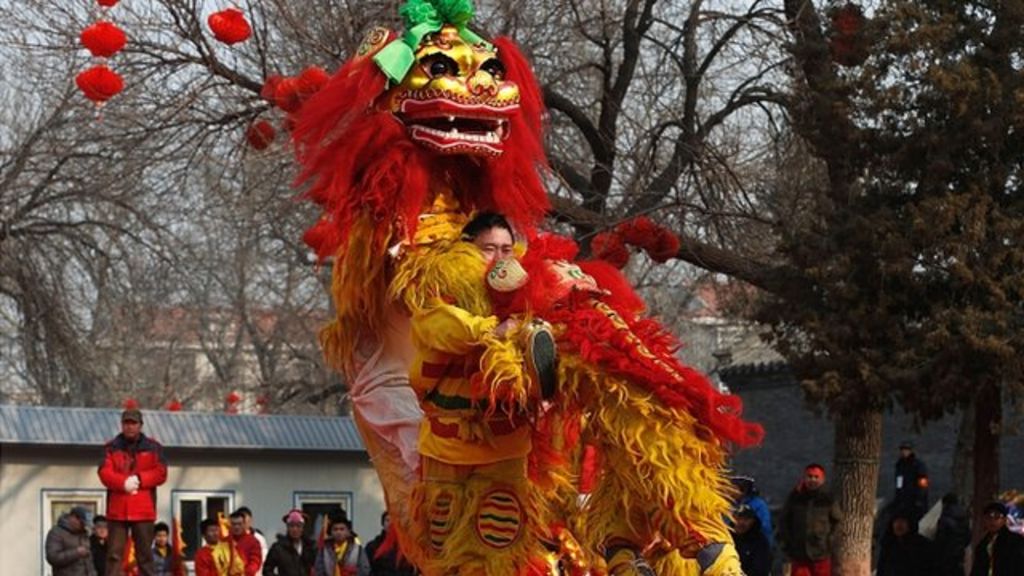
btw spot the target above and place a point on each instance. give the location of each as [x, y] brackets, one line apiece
[453, 127]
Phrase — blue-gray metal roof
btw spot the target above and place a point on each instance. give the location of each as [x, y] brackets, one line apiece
[63, 426]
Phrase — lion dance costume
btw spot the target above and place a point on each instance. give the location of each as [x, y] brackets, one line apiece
[478, 455]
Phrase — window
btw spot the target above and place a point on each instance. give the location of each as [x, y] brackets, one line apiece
[191, 507]
[57, 502]
[316, 505]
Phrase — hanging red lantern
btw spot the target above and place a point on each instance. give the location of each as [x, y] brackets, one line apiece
[286, 94]
[99, 83]
[130, 404]
[260, 135]
[848, 20]
[229, 26]
[107, 3]
[174, 406]
[103, 39]
[848, 43]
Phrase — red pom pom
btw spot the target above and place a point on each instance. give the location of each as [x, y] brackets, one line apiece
[99, 83]
[260, 135]
[107, 3]
[311, 80]
[287, 96]
[638, 231]
[229, 26]
[103, 39]
[130, 404]
[174, 406]
[608, 246]
[232, 398]
[269, 90]
[665, 246]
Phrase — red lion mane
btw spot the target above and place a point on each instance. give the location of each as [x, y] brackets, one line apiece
[357, 159]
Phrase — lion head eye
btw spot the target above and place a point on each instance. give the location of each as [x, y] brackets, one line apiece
[495, 68]
[440, 65]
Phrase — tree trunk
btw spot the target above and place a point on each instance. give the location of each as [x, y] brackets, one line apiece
[987, 428]
[963, 457]
[858, 448]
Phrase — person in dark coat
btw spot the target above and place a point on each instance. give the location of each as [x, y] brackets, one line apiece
[386, 564]
[67, 545]
[911, 478]
[1000, 552]
[904, 551]
[952, 537]
[98, 544]
[751, 496]
[807, 525]
[293, 554]
[754, 550]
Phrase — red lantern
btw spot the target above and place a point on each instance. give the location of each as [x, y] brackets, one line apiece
[130, 404]
[848, 20]
[99, 83]
[174, 406]
[229, 26]
[103, 39]
[260, 135]
[233, 398]
[107, 3]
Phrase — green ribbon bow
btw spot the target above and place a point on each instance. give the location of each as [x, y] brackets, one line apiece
[423, 17]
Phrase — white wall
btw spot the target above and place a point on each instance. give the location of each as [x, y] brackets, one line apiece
[263, 481]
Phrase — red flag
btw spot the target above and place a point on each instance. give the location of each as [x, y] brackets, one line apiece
[129, 565]
[177, 550]
[225, 526]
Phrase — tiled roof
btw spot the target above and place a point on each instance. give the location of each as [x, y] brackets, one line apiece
[62, 426]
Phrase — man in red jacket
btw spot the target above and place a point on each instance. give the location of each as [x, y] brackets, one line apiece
[245, 545]
[133, 466]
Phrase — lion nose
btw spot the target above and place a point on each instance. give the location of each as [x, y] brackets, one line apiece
[482, 83]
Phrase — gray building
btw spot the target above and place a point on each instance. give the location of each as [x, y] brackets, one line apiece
[216, 463]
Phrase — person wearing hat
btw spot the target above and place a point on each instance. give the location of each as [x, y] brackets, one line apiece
[67, 545]
[341, 553]
[751, 544]
[133, 466]
[1000, 552]
[905, 552]
[293, 554]
[911, 496]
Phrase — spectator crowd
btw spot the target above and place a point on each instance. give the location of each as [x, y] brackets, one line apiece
[129, 541]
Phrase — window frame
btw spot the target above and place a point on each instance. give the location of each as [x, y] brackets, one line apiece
[177, 495]
[344, 497]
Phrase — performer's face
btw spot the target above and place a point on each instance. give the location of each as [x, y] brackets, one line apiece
[495, 243]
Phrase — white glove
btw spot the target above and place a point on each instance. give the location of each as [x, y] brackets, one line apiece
[131, 484]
